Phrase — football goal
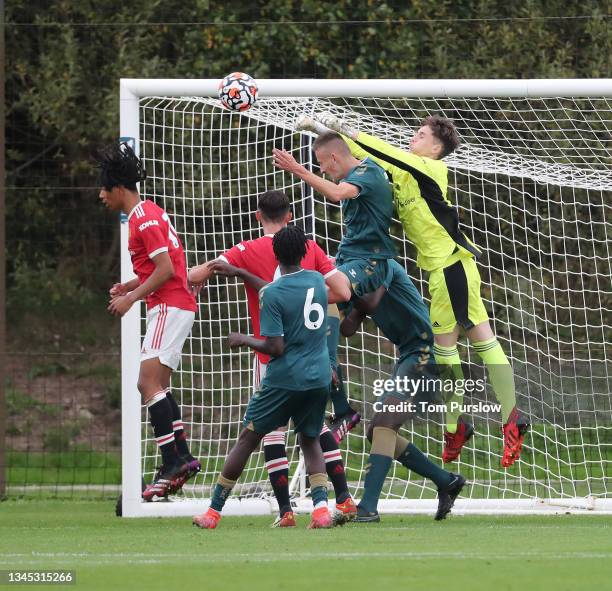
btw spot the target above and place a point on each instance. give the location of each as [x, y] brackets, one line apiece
[532, 181]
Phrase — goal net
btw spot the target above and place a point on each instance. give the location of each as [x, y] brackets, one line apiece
[532, 184]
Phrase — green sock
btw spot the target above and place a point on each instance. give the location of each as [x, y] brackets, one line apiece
[338, 393]
[376, 472]
[449, 363]
[414, 459]
[319, 496]
[333, 337]
[500, 373]
[219, 496]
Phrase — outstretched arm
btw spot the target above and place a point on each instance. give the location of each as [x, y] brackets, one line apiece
[332, 191]
[200, 274]
[218, 267]
[363, 145]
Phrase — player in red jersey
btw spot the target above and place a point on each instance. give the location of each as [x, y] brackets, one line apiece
[255, 263]
[161, 280]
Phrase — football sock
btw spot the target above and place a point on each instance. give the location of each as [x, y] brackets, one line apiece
[223, 488]
[333, 333]
[338, 393]
[379, 462]
[318, 490]
[160, 413]
[180, 437]
[449, 363]
[334, 465]
[500, 373]
[414, 459]
[275, 456]
[376, 472]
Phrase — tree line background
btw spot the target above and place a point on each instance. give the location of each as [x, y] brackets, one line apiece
[65, 59]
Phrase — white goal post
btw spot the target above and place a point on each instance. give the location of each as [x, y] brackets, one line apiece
[532, 181]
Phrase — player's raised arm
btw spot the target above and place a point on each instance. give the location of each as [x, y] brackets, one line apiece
[332, 191]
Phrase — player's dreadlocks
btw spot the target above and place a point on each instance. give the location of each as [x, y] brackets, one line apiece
[119, 165]
[289, 245]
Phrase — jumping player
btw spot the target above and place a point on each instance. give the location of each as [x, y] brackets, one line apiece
[399, 312]
[431, 223]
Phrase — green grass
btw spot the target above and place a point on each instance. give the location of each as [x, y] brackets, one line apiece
[560, 552]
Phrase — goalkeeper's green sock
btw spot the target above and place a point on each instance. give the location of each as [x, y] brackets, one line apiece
[500, 373]
[449, 362]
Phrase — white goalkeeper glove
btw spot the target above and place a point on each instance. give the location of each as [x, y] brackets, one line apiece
[332, 122]
[306, 123]
[322, 123]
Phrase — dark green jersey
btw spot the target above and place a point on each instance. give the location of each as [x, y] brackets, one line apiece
[402, 315]
[295, 306]
[367, 217]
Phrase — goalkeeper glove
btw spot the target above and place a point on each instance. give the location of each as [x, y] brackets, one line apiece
[323, 123]
[306, 123]
[332, 122]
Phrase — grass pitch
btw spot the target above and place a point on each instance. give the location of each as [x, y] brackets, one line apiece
[563, 552]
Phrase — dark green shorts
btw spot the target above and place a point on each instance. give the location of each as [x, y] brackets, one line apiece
[421, 383]
[270, 407]
[365, 275]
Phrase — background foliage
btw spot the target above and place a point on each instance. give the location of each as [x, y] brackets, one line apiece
[65, 60]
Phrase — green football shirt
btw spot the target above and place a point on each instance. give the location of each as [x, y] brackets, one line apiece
[367, 217]
[402, 315]
[294, 306]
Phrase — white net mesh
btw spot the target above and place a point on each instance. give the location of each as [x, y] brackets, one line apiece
[531, 181]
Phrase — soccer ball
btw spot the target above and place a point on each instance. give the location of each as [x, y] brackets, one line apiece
[238, 91]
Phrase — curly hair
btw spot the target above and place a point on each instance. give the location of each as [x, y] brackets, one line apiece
[289, 245]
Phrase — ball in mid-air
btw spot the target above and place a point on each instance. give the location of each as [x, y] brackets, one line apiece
[238, 91]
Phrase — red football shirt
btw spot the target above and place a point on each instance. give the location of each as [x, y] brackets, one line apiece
[150, 233]
[257, 257]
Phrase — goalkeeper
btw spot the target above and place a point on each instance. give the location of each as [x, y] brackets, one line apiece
[431, 223]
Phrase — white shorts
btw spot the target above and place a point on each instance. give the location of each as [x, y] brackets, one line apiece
[259, 373]
[167, 329]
